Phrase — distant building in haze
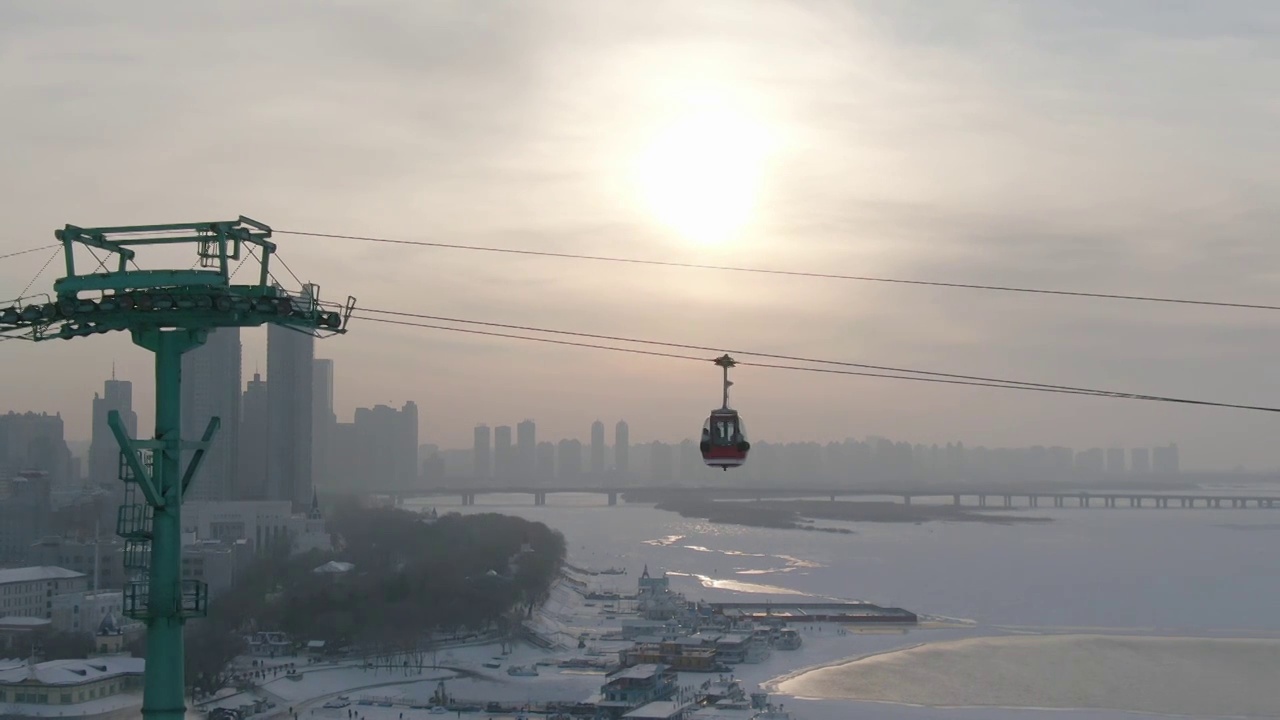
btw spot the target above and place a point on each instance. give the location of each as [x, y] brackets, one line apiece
[324, 447]
[1164, 460]
[545, 470]
[387, 446]
[211, 388]
[504, 454]
[662, 463]
[1115, 461]
[482, 465]
[1091, 461]
[526, 451]
[621, 448]
[251, 480]
[569, 461]
[290, 415]
[1140, 461]
[104, 451]
[597, 451]
[36, 442]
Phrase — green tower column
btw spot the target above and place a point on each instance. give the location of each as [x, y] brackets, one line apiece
[168, 311]
[163, 693]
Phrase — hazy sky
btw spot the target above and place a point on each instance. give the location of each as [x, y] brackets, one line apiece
[1118, 147]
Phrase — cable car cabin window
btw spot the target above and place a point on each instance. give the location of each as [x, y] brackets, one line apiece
[725, 430]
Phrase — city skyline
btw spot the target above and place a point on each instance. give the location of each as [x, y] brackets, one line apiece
[522, 435]
[383, 445]
[442, 431]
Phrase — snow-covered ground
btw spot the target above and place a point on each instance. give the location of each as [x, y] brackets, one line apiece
[563, 619]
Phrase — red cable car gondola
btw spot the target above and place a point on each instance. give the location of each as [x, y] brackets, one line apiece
[724, 437]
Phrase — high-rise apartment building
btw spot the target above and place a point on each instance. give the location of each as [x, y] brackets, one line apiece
[251, 479]
[324, 424]
[569, 461]
[597, 451]
[482, 462]
[1165, 459]
[386, 446]
[211, 388]
[526, 451]
[290, 415]
[504, 455]
[622, 449]
[545, 471]
[35, 441]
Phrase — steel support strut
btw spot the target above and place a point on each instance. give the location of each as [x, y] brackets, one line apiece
[168, 312]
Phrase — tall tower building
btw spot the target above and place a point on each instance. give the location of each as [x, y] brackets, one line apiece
[621, 449]
[211, 388]
[104, 453]
[597, 451]
[324, 423]
[482, 464]
[290, 414]
[526, 451]
[251, 480]
[504, 455]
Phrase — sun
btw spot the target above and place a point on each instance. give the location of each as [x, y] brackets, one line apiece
[701, 175]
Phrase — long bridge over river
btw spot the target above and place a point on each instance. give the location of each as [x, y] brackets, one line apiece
[1001, 497]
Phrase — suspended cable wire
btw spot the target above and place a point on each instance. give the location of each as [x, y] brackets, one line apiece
[291, 272]
[696, 358]
[773, 356]
[39, 272]
[947, 380]
[551, 341]
[29, 250]
[790, 273]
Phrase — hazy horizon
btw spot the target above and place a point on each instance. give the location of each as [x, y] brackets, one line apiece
[1069, 145]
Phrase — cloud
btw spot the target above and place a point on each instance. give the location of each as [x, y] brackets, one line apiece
[1092, 146]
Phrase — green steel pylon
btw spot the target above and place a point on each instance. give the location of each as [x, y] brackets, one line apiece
[168, 312]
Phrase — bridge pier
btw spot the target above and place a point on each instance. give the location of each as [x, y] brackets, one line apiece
[955, 500]
[906, 499]
[1008, 501]
[1033, 500]
[539, 498]
[982, 501]
[613, 498]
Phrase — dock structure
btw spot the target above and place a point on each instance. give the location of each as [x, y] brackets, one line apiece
[802, 612]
